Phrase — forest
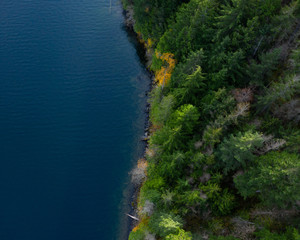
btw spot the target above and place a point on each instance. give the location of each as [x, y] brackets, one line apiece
[222, 161]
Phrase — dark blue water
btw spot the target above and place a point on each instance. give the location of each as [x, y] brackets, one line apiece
[71, 95]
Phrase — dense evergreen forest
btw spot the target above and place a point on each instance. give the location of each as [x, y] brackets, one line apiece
[223, 157]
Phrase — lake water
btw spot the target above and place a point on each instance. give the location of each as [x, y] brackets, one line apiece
[72, 93]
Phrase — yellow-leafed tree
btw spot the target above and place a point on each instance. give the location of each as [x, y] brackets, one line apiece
[164, 74]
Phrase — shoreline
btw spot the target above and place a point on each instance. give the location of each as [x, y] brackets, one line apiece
[134, 189]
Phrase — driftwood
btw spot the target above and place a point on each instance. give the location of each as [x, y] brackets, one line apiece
[133, 217]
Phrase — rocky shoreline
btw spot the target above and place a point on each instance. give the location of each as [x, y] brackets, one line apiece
[129, 23]
[129, 20]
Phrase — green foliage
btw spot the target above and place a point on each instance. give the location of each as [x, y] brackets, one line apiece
[137, 235]
[193, 198]
[156, 183]
[211, 189]
[244, 19]
[185, 117]
[283, 24]
[223, 203]
[239, 25]
[148, 194]
[140, 231]
[126, 3]
[228, 33]
[226, 67]
[270, 125]
[291, 234]
[151, 190]
[155, 100]
[260, 71]
[237, 150]
[174, 134]
[275, 179]
[168, 198]
[181, 235]
[193, 86]
[172, 167]
[188, 67]
[170, 139]
[191, 30]
[216, 103]
[165, 224]
[293, 141]
[161, 110]
[212, 136]
[202, 128]
[152, 16]
[220, 201]
[215, 225]
[295, 60]
[282, 90]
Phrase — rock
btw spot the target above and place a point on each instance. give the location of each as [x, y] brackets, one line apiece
[145, 138]
[148, 208]
[129, 21]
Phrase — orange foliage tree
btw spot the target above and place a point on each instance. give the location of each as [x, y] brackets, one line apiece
[164, 74]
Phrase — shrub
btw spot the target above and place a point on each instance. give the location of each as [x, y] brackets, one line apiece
[165, 224]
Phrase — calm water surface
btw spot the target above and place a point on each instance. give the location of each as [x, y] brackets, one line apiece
[71, 96]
